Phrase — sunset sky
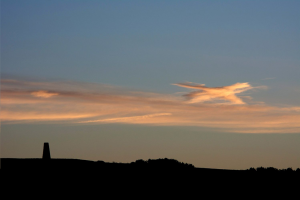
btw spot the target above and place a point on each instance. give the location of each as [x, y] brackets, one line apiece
[211, 83]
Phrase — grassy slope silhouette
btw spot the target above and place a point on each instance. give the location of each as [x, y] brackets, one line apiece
[151, 165]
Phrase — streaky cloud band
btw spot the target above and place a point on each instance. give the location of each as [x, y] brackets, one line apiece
[92, 103]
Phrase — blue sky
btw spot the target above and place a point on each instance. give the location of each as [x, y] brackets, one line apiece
[147, 47]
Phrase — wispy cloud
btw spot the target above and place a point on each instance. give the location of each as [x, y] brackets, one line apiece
[86, 103]
[43, 94]
[127, 119]
[227, 93]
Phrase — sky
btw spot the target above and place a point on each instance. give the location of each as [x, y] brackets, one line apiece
[210, 83]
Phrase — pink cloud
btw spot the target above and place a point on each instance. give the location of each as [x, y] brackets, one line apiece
[43, 94]
[77, 102]
[227, 93]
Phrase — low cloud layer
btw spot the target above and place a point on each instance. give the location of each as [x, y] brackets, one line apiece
[124, 119]
[91, 103]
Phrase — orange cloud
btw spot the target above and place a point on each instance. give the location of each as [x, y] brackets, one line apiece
[12, 116]
[127, 119]
[208, 94]
[43, 94]
[87, 103]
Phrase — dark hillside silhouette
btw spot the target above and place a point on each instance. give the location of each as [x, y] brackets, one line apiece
[149, 177]
[152, 165]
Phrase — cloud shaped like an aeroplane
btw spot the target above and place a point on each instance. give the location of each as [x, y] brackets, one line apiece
[227, 93]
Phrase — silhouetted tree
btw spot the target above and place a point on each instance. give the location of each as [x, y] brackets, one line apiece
[252, 169]
[289, 170]
[260, 169]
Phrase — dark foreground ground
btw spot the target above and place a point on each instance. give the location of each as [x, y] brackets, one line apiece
[158, 165]
[141, 180]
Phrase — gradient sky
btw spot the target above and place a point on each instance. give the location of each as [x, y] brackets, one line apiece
[211, 83]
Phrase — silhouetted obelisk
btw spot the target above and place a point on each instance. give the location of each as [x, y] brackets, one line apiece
[46, 151]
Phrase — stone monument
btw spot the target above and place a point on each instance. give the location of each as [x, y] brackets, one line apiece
[46, 151]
